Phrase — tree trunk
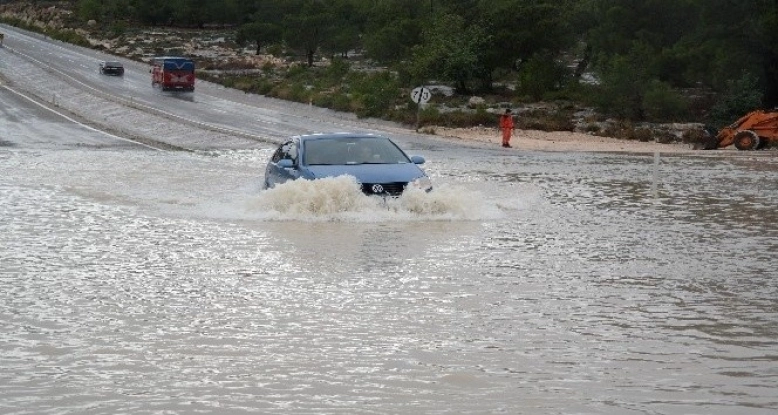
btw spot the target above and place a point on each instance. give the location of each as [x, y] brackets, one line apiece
[771, 81]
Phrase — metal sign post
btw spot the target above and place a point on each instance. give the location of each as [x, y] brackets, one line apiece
[420, 95]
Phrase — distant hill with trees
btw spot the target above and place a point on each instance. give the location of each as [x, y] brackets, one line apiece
[656, 60]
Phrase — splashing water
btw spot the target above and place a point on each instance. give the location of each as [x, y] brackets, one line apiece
[340, 199]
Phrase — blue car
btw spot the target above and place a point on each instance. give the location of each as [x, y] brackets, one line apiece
[377, 163]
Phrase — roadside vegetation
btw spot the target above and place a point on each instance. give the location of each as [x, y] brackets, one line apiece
[660, 61]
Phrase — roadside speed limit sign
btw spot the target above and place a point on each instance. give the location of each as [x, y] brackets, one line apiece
[421, 95]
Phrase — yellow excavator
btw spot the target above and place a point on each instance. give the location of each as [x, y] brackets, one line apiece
[753, 131]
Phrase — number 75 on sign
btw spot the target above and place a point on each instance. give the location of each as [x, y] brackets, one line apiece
[421, 95]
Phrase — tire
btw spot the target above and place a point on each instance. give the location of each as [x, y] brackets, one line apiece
[746, 140]
[762, 143]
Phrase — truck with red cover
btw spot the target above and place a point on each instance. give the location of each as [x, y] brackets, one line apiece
[173, 73]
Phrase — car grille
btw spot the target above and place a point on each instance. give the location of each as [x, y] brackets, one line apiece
[383, 189]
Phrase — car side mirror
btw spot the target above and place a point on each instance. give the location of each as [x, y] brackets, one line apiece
[418, 160]
[285, 163]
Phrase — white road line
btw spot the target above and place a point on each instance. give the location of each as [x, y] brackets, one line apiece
[116, 137]
[140, 106]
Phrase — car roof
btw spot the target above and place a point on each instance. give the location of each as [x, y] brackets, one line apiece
[117, 63]
[326, 136]
[170, 58]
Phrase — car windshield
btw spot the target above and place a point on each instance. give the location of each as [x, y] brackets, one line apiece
[113, 64]
[343, 151]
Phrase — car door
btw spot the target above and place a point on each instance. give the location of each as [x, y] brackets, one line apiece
[277, 173]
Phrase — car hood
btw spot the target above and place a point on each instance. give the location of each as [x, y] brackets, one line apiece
[370, 173]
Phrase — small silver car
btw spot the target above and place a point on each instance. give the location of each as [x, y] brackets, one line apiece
[376, 162]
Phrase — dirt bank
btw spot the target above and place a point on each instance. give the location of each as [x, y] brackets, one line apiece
[562, 141]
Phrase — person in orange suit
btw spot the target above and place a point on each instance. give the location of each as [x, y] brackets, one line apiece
[506, 125]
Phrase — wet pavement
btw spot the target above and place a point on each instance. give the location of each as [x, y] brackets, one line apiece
[137, 279]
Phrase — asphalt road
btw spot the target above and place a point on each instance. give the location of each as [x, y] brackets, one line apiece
[29, 122]
[67, 77]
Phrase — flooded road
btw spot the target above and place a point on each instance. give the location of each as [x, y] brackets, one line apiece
[145, 282]
[135, 279]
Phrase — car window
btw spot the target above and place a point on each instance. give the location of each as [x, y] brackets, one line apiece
[288, 150]
[388, 152]
[360, 150]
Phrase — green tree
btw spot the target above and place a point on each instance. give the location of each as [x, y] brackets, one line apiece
[521, 29]
[307, 28]
[259, 33]
[768, 34]
[222, 12]
[264, 26]
[153, 12]
[451, 51]
[348, 24]
[90, 9]
[693, 42]
[540, 74]
[392, 28]
[105, 12]
[741, 96]
[624, 82]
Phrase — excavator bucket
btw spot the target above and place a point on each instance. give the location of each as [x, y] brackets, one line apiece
[710, 140]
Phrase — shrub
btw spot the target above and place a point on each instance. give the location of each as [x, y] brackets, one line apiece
[69, 37]
[664, 137]
[458, 118]
[374, 93]
[403, 115]
[430, 116]
[242, 83]
[642, 134]
[742, 96]
[482, 117]
[662, 103]
[297, 73]
[263, 86]
[551, 120]
[336, 71]
[341, 102]
[333, 100]
[117, 28]
[540, 75]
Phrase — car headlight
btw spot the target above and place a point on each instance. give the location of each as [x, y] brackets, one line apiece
[422, 183]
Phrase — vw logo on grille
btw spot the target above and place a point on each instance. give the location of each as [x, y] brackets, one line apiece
[377, 188]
